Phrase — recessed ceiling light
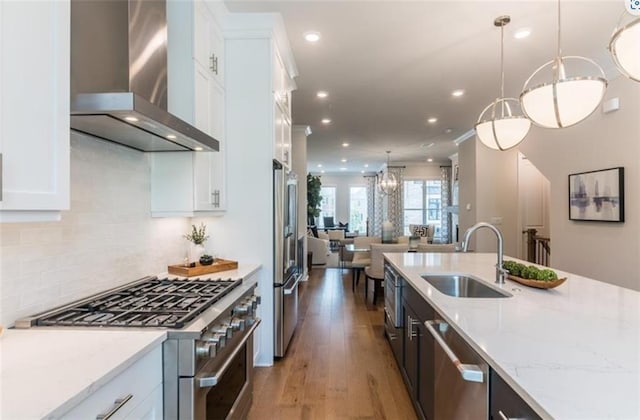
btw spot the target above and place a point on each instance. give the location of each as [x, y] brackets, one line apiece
[132, 119]
[171, 136]
[345, 144]
[448, 130]
[312, 36]
[522, 33]
[322, 171]
[366, 165]
[322, 94]
[326, 121]
[430, 160]
[343, 169]
[432, 120]
[319, 165]
[197, 149]
[458, 92]
[362, 171]
[343, 160]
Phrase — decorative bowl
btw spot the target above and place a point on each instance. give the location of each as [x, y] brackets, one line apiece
[206, 260]
[539, 284]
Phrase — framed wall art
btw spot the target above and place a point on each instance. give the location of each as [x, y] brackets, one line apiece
[597, 195]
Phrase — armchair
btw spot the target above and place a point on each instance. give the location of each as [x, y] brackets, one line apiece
[319, 248]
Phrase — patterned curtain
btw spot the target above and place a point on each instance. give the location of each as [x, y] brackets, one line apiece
[395, 202]
[445, 200]
[375, 229]
[371, 199]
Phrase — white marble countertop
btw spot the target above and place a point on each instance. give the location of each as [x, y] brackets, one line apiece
[572, 352]
[46, 371]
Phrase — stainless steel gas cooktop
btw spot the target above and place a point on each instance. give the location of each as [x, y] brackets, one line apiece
[149, 302]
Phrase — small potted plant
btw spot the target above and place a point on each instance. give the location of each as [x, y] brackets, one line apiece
[197, 237]
[206, 259]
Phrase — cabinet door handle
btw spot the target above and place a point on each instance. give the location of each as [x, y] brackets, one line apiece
[214, 63]
[502, 416]
[117, 405]
[471, 373]
[216, 198]
[410, 334]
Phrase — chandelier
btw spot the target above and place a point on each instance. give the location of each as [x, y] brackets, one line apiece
[502, 124]
[564, 91]
[387, 182]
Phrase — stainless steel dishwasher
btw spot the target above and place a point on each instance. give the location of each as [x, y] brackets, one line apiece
[461, 376]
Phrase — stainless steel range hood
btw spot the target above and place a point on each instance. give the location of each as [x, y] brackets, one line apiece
[119, 77]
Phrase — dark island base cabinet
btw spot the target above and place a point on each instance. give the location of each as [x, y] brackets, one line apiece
[424, 367]
[417, 363]
[505, 404]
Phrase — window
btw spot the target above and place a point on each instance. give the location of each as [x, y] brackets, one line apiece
[357, 209]
[328, 204]
[422, 204]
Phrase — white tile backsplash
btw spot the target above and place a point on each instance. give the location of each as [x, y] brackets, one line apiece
[106, 239]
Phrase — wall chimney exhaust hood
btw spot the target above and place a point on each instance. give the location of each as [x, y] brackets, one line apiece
[119, 77]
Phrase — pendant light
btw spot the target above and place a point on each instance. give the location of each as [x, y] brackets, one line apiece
[625, 46]
[502, 125]
[387, 182]
[553, 97]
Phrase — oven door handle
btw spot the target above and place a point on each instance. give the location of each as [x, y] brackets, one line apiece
[288, 291]
[212, 380]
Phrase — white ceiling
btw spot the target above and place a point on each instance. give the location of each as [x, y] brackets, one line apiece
[390, 65]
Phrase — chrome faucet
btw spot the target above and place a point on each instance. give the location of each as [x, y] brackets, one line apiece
[500, 272]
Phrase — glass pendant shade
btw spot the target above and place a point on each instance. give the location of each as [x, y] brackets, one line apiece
[625, 48]
[501, 125]
[553, 98]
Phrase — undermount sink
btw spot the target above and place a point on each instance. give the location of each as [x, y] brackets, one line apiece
[460, 285]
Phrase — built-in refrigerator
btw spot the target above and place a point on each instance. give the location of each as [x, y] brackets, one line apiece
[286, 275]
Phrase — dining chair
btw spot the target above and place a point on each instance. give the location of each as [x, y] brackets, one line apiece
[328, 221]
[335, 236]
[361, 259]
[375, 271]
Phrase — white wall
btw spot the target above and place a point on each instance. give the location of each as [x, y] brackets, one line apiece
[107, 238]
[489, 184]
[467, 187]
[604, 251]
[342, 183]
[299, 166]
[422, 171]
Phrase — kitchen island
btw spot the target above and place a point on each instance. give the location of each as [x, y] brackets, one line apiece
[572, 352]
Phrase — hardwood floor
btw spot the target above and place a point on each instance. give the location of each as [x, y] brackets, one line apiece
[339, 365]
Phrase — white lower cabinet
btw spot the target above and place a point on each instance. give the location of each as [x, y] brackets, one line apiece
[136, 393]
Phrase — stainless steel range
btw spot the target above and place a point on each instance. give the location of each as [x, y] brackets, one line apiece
[208, 356]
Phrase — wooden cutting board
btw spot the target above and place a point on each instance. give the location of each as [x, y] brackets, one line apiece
[218, 265]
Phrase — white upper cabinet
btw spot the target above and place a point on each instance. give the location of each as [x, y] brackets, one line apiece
[34, 109]
[188, 183]
[282, 86]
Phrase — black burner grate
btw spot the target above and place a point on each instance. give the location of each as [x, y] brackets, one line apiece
[167, 303]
